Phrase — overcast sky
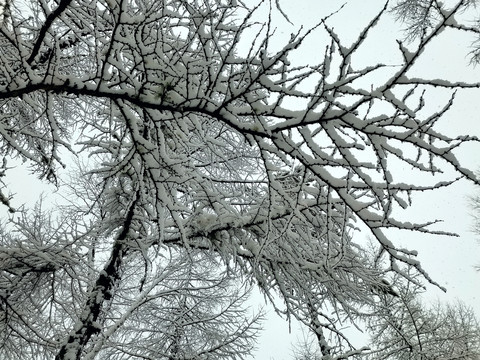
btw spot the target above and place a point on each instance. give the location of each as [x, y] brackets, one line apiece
[448, 260]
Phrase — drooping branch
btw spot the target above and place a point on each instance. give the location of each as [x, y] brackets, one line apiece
[170, 103]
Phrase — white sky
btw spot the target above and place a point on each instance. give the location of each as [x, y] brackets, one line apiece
[449, 261]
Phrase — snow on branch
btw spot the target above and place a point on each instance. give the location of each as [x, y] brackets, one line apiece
[204, 135]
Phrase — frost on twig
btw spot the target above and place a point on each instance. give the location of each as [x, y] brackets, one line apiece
[184, 110]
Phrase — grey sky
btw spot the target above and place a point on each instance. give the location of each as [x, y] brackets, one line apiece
[449, 260]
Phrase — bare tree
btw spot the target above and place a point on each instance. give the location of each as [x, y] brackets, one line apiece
[402, 325]
[178, 304]
[421, 16]
[197, 151]
[475, 208]
[406, 328]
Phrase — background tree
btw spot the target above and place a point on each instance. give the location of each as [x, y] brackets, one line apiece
[475, 207]
[421, 16]
[178, 306]
[406, 328]
[207, 142]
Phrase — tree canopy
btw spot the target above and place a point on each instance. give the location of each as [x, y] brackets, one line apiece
[207, 162]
